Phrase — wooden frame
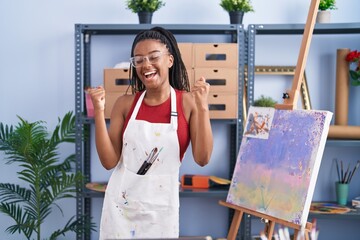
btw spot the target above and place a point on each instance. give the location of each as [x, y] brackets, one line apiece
[290, 71]
[279, 70]
[269, 222]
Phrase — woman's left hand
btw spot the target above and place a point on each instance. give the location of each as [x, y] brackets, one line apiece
[200, 127]
[200, 92]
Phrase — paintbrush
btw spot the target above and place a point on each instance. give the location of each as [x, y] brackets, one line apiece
[342, 171]
[337, 169]
[355, 168]
[346, 173]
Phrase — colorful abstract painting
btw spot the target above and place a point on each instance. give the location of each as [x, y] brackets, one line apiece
[278, 162]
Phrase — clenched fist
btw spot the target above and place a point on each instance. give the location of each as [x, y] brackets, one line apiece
[200, 92]
[97, 95]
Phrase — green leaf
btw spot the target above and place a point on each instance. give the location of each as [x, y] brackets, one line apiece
[81, 225]
[327, 4]
[264, 102]
[12, 193]
[237, 5]
[144, 5]
[24, 222]
[355, 82]
[47, 177]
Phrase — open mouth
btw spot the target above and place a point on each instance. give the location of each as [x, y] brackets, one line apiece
[149, 75]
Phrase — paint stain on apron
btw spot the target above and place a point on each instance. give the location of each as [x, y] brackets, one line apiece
[144, 206]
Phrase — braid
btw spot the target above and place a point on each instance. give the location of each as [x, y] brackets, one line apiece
[178, 76]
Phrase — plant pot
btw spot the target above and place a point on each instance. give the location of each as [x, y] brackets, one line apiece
[145, 17]
[236, 17]
[323, 17]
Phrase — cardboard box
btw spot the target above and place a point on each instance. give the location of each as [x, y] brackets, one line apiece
[110, 99]
[116, 79]
[223, 106]
[219, 55]
[220, 79]
[186, 51]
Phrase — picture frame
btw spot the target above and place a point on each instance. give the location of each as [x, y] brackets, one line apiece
[282, 71]
[287, 71]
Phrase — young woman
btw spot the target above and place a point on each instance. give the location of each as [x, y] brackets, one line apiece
[148, 135]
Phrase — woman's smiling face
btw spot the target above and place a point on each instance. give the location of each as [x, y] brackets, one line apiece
[152, 60]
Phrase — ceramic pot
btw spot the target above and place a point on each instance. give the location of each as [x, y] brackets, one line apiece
[145, 17]
[323, 17]
[342, 192]
[236, 17]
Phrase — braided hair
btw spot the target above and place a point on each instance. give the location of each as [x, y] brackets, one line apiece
[178, 76]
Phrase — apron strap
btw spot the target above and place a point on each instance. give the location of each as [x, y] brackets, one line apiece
[137, 106]
[173, 115]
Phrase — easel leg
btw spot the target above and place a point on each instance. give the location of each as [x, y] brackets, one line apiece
[269, 224]
[297, 233]
[269, 229]
[235, 224]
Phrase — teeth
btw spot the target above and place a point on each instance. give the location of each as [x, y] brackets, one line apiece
[148, 73]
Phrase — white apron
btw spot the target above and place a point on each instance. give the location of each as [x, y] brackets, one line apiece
[144, 206]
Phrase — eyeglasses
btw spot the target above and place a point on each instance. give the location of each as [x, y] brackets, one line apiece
[138, 61]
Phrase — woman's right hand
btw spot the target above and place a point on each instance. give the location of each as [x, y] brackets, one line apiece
[97, 95]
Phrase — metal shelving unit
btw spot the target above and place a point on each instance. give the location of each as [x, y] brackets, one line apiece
[291, 29]
[83, 34]
[216, 193]
[286, 29]
[354, 214]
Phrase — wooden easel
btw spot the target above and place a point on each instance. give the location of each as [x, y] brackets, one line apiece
[292, 95]
[290, 103]
[269, 226]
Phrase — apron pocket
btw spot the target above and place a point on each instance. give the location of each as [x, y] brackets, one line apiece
[154, 223]
[145, 192]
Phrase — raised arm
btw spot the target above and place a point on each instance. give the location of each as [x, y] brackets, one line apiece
[108, 141]
[200, 126]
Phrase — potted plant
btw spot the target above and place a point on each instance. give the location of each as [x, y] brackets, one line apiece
[47, 180]
[323, 15]
[144, 8]
[264, 102]
[236, 9]
[327, 5]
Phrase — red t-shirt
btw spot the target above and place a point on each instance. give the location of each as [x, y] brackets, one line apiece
[161, 114]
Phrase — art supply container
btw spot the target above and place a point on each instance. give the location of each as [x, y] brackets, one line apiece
[342, 192]
[89, 105]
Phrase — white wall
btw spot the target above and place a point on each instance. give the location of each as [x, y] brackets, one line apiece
[37, 63]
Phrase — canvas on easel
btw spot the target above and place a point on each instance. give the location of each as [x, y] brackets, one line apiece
[278, 162]
[279, 157]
